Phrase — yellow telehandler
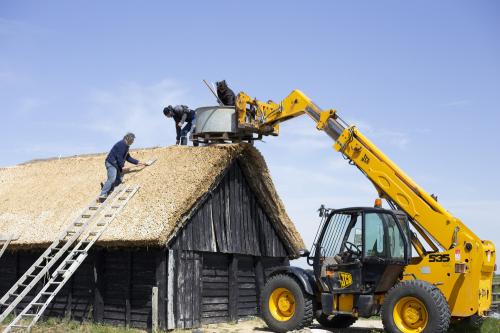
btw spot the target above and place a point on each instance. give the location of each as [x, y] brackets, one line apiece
[416, 264]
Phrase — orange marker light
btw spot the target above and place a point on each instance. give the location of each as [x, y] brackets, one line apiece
[378, 203]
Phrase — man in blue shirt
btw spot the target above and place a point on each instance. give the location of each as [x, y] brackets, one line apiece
[115, 162]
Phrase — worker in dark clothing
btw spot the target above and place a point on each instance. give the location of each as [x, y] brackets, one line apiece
[184, 122]
[226, 95]
[115, 162]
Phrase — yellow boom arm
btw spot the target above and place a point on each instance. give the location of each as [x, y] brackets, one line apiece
[465, 271]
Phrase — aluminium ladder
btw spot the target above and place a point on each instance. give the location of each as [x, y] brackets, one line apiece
[70, 263]
[92, 223]
[48, 258]
[6, 243]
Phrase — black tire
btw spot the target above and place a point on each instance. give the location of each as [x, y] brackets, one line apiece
[303, 315]
[338, 321]
[473, 323]
[436, 306]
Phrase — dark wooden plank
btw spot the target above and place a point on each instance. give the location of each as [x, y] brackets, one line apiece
[227, 215]
[69, 303]
[180, 299]
[214, 307]
[188, 272]
[197, 296]
[216, 279]
[247, 312]
[233, 288]
[260, 278]
[161, 283]
[247, 236]
[215, 292]
[99, 286]
[216, 215]
[216, 300]
[233, 222]
[216, 318]
[255, 224]
[128, 283]
[215, 285]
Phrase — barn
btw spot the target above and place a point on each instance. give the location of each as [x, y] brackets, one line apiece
[194, 246]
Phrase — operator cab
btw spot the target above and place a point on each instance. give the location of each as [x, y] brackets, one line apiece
[361, 250]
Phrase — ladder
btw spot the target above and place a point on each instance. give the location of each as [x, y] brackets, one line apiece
[6, 243]
[88, 228]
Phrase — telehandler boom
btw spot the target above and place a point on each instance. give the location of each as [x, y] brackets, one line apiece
[449, 277]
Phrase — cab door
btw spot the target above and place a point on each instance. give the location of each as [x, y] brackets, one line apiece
[338, 254]
[384, 251]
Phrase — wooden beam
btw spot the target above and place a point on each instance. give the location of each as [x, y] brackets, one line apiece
[128, 285]
[99, 285]
[161, 284]
[197, 285]
[170, 290]
[233, 288]
[69, 302]
[154, 309]
[260, 279]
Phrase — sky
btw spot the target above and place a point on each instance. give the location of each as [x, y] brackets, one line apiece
[420, 79]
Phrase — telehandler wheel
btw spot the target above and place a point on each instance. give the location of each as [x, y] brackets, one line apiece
[285, 306]
[338, 321]
[473, 322]
[415, 306]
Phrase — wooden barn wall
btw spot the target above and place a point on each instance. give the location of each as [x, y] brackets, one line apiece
[211, 288]
[231, 220]
[111, 286]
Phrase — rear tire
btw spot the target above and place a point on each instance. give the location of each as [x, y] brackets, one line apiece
[338, 321]
[415, 306]
[472, 323]
[285, 306]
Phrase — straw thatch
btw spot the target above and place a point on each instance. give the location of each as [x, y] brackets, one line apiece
[37, 200]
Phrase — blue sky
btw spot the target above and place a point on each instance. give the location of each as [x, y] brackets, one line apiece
[421, 79]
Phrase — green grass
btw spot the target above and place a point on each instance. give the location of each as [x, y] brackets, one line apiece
[53, 325]
[490, 325]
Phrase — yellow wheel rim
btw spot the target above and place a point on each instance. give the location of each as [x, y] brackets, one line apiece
[410, 315]
[282, 304]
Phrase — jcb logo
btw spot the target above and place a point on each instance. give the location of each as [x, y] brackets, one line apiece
[439, 257]
[365, 159]
[345, 279]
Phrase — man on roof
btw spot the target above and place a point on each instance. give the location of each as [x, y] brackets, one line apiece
[115, 162]
[184, 118]
[225, 94]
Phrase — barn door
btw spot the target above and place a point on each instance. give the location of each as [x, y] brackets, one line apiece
[187, 288]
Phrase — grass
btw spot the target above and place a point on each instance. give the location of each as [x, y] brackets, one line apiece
[490, 325]
[53, 325]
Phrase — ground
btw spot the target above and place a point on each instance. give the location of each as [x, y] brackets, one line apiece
[257, 325]
[244, 326]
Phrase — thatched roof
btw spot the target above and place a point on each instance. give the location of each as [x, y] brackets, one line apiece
[38, 199]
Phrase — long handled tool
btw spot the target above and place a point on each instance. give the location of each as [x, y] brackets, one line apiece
[213, 92]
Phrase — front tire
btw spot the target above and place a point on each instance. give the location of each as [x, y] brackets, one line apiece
[285, 306]
[338, 321]
[415, 306]
[473, 323]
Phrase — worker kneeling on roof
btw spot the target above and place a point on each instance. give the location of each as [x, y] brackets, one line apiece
[184, 118]
[225, 94]
[115, 162]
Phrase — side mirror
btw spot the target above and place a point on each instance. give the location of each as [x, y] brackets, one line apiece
[304, 253]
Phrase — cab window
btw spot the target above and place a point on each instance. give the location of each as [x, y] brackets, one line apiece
[374, 235]
[395, 239]
[356, 233]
